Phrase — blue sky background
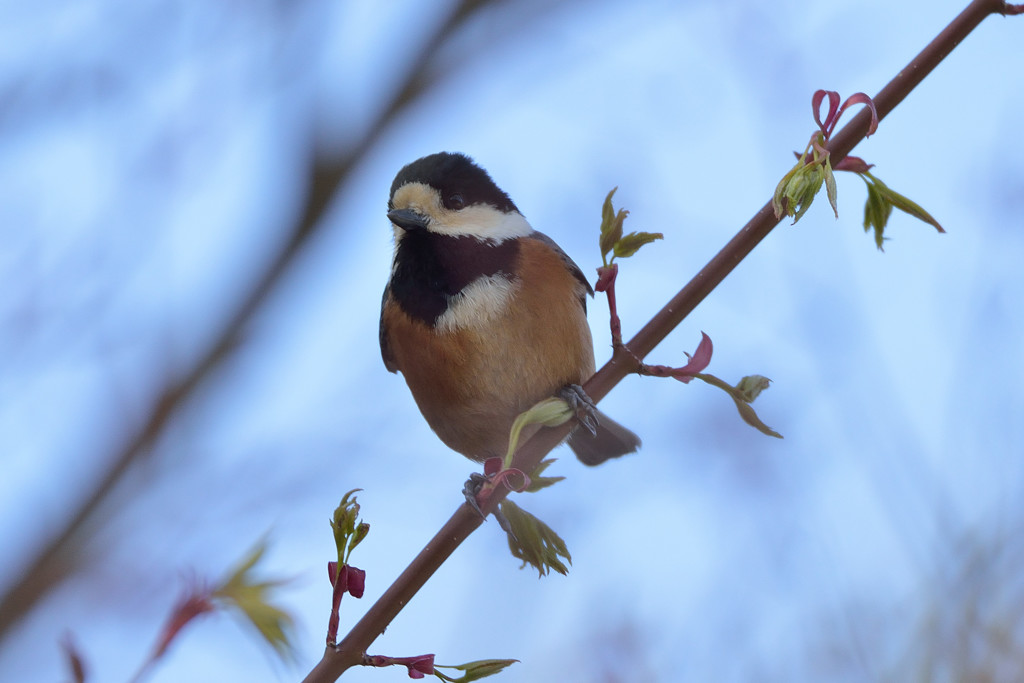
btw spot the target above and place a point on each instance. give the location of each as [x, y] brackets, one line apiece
[153, 155]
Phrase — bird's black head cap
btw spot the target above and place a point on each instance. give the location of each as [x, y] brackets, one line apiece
[454, 174]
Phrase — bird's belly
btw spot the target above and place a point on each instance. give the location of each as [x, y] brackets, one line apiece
[470, 384]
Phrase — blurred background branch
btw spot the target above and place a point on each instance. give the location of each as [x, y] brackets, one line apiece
[327, 171]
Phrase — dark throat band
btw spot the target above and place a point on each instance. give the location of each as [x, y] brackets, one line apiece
[430, 269]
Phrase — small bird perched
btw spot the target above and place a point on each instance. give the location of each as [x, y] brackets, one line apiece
[483, 315]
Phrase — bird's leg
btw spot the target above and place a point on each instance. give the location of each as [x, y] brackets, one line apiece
[473, 488]
[586, 411]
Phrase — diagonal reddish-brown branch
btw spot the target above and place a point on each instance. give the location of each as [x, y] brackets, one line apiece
[349, 652]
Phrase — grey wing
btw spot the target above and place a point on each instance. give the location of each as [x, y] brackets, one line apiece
[569, 264]
[385, 345]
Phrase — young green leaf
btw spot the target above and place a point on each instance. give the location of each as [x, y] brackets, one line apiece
[876, 214]
[751, 386]
[611, 225]
[631, 243]
[348, 530]
[537, 482]
[750, 417]
[904, 204]
[746, 412]
[251, 598]
[534, 542]
[796, 191]
[805, 187]
[477, 670]
[549, 412]
[781, 192]
[612, 241]
[830, 187]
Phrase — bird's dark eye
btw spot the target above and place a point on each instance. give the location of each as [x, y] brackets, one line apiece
[455, 201]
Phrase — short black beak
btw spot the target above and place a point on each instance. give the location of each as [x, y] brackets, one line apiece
[407, 219]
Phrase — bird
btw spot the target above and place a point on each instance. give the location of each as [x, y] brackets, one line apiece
[483, 315]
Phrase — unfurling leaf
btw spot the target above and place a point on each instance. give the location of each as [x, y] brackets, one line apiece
[876, 213]
[611, 224]
[751, 386]
[534, 542]
[608, 211]
[861, 98]
[612, 241]
[795, 192]
[344, 579]
[351, 580]
[349, 531]
[537, 482]
[474, 671]
[779, 205]
[631, 243]
[606, 276]
[550, 412]
[251, 598]
[362, 529]
[805, 188]
[830, 187]
[826, 125]
[904, 204]
[418, 666]
[746, 412]
[751, 418]
[700, 359]
[880, 202]
[511, 478]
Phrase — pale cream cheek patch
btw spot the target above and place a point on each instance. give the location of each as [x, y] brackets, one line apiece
[479, 220]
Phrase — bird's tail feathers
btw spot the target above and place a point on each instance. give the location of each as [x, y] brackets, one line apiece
[612, 440]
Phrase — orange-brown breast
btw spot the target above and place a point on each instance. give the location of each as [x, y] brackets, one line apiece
[470, 383]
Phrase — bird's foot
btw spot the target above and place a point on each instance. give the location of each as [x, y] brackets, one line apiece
[582, 405]
[478, 489]
[472, 489]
